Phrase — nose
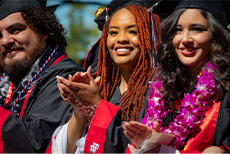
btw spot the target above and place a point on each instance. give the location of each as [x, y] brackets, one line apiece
[186, 37]
[7, 40]
[123, 38]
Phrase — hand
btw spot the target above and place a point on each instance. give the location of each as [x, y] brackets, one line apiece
[82, 77]
[138, 132]
[65, 92]
[87, 92]
[155, 150]
[213, 149]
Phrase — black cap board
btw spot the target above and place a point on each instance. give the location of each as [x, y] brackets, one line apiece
[8, 7]
[163, 9]
[220, 9]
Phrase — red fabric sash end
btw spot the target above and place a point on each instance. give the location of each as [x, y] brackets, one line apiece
[97, 131]
[202, 136]
[3, 114]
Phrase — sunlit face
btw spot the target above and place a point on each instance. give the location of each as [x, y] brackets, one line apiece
[192, 41]
[20, 46]
[122, 41]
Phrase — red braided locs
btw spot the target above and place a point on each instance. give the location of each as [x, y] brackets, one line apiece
[107, 69]
[132, 101]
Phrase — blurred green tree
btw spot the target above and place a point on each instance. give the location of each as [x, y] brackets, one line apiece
[81, 33]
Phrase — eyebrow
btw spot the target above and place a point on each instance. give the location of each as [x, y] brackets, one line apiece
[15, 25]
[193, 25]
[197, 24]
[130, 26]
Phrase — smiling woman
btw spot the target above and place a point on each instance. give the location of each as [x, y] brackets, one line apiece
[124, 68]
[192, 40]
[122, 41]
[189, 96]
[122, 31]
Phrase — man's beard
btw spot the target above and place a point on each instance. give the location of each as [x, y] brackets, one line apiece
[18, 68]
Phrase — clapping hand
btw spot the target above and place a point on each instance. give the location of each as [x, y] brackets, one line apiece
[80, 87]
[138, 132]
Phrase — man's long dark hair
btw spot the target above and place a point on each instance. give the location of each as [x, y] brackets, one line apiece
[45, 23]
[174, 74]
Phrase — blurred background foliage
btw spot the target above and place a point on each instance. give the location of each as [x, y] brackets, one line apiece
[77, 17]
[81, 35]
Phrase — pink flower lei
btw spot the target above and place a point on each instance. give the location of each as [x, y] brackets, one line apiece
[192, 110]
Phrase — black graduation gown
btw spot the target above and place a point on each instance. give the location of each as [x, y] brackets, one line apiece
[40, 109]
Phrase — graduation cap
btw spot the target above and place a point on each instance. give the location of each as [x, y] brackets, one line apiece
[8, 7]
[220, 9]
[162, 9]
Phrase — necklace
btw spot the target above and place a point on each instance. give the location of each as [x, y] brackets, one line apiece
[191, 112]
[32, 79]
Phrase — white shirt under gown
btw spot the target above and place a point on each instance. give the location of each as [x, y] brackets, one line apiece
[59, 140]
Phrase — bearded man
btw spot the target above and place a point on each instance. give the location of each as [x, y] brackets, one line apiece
[32, 54]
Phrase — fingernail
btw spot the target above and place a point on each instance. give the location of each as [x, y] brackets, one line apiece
[123, 123]
[58, 77]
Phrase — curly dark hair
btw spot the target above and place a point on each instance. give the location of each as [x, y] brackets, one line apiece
[174, 75]
[45, 23]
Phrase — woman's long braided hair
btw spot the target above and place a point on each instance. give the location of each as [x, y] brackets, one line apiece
[132, 100]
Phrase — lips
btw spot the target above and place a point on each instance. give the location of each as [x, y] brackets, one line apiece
[8, 51]
[123, 51]
[188, 51]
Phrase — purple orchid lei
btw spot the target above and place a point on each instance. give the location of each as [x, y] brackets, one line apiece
[192, 110]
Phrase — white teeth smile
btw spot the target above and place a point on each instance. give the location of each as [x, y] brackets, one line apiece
[187, 50]
[123, 49]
